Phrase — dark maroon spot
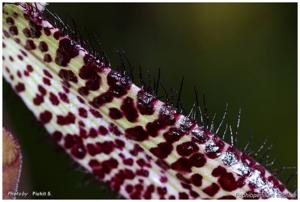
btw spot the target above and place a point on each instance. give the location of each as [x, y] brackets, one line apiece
[119, 143]
[227, 182]
[93, 133]
[212, 189]
[139, 187]
[161, 191]
[42, 90]
[13, 30]
[153, 127]
[47, 73]
[129, 188]
[136, 133]
[135, 195]
[162, 150]
[82, 133]
[172, 197]
[46, 81]
[114, 129]
[115, 113]
[78, 151]
[141, 162]
[88, 72]
[196, 179]
[26, 16]
[145, 103]
[129, 110]
[150, 189]
[66, 89]
[10, 21]
[29, 45]
[95, 113]
[102, 99]
[219, 171]
[19, 74]
[98, 172]
[7, 69]
[112, 163]
[242, 181]
[183, 195]
[6, 34]
[80, 99]
[65, 52]
[92, 149]
[142, 172]
[173, 135]
[53, 98]
[45, 117]
[102, 130]
[17, 40]
[67, 75]
[15, 15]
[93, 84]
[197, 160]
[63, 97]
[20, 57]
[26, 73]
[128, 162]
[35, 29]
[163, 179]
[80, 123]
[119, 83]
[82, 112]
[47, 58]
[37, 100]
[83, 91]
[23, 53]
[29, 68]
[186, 186]
[11, 58]
[182, 164]
[43, 46]
[136, 150]
[57, 136]
[27, 32]
[65, 120]
[47, 31]
[187, 148]
[20, 87]
[107, 147]
[57, 35]
[71, 140]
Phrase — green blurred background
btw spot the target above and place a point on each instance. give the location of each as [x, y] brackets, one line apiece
[243, 54]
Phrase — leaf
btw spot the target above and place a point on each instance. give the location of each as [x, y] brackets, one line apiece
[137, 144]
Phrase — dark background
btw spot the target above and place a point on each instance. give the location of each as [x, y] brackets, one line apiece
[243, 54]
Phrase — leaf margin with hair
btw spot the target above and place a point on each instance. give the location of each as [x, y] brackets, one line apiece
[93, 86]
